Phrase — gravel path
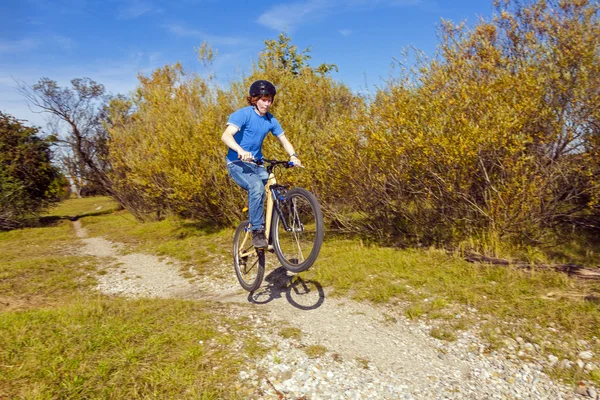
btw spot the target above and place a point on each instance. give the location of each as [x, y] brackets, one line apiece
[346, 350]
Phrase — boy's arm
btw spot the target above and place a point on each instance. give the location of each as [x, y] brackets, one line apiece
[290, 149]
[227, 138]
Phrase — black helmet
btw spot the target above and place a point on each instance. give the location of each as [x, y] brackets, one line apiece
[262, 88]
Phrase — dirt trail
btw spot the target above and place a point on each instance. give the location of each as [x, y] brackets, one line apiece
[352, 330]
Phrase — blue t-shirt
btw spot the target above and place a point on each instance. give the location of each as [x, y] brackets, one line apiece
[253, 130]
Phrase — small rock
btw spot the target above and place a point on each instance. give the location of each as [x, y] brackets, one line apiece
[592, 393]
[586, 355]
[529, 348]
[566, 364]
[581, 390]
[590, 367]
[520, 340]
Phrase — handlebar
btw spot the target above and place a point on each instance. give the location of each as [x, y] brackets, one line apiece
[273, 163]
[286, 164]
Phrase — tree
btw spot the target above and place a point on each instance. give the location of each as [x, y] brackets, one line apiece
[81, 109]
[281, 55]
[28, 181]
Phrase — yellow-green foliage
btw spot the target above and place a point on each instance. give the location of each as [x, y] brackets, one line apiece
[167, 153]
[319, 116]
[167, 150]
[494, 134]
[496, 138]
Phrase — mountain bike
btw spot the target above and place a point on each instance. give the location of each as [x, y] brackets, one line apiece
[293, 228]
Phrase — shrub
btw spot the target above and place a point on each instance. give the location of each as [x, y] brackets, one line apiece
[28, 181]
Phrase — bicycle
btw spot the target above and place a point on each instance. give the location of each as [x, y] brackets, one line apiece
[293, 228]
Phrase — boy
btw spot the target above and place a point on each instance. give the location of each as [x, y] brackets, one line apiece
[246, 130]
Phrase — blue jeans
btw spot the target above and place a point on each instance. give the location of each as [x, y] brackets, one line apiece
[253, 179]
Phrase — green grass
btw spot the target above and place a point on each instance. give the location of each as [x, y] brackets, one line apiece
[116, 348]
[543, 307]
[59, 338]
[41, 264]
[74, 207]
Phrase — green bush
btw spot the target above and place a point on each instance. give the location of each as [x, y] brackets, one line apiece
[29, 183]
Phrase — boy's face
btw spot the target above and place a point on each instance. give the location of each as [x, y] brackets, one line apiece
[263, 104]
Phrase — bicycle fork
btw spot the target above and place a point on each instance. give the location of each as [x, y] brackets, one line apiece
[278, 203]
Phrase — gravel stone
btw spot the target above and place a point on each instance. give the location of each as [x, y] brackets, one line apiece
[586, 355]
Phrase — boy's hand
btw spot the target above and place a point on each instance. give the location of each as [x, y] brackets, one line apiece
[296, 161]
[245, 156]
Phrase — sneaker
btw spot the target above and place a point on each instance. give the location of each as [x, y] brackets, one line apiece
[259, 240]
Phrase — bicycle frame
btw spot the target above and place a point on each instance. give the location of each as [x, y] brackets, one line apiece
[298, 251]
[271, 181]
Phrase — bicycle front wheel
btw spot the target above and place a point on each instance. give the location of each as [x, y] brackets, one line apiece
[297, 245]
[248, 262]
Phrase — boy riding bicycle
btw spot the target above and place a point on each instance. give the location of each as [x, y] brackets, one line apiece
[246, 130]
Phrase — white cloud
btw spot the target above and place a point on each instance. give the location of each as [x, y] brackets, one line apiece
[345, 32]
[136, 8]
[63, 42]
[286, 17]
[28, 44]
[183, 31]
[180, 30]
[17, 46]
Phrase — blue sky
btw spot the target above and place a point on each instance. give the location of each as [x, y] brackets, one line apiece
[112, 41]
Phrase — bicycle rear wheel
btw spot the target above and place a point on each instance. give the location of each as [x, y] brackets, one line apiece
[249, 263]
[298, 247]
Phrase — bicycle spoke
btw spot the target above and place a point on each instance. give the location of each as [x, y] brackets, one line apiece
[298, 246]
[296, 226]
[249, 265]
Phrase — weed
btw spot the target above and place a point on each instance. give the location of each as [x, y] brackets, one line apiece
[389, 319]
[290, 333]
[315, 351]
[443, 333]
[595, 376]
[414, 312]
